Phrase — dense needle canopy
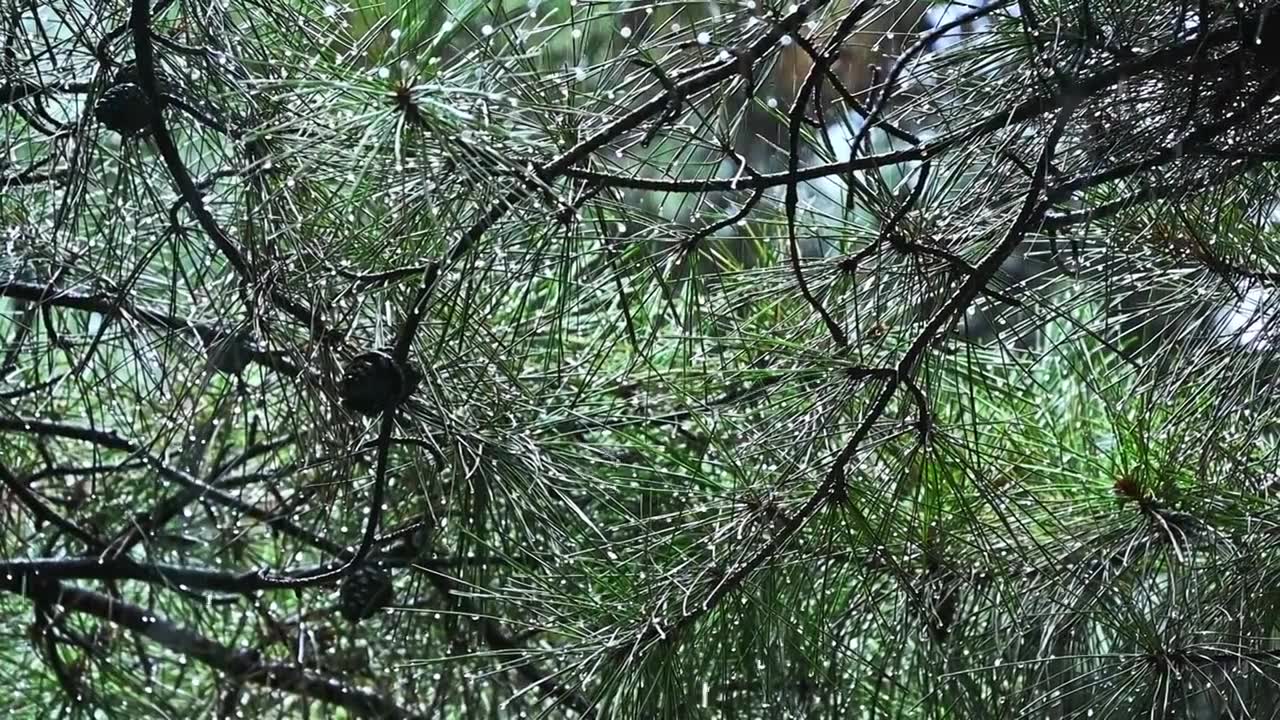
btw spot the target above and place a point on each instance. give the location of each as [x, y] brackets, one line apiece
[451, 359]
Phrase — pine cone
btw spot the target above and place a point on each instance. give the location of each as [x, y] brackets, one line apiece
[129, 74]
[124, 108]
[373, 382]
[231, 353]
[364, 592]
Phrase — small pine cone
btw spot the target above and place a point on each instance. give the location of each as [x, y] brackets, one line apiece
[124, 108]
[129, 74]
[231, 354]
[1127, 489]
[373, 382]
[364, 592]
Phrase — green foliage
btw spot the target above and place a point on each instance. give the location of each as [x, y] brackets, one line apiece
[973, 420]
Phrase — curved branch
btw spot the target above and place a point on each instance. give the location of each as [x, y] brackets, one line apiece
[791, 201]
[113, 441]
[41, 510]
[20, 90]
[693, 81]
[1032, 209]
[144, 54]
[1021, 112]
[103, 305]
[240, 665]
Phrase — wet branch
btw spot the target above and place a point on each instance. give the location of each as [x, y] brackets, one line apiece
[244, 666]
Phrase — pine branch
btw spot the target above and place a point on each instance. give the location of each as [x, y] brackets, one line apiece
[243, 666]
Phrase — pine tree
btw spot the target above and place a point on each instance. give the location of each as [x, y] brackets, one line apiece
[853, 359]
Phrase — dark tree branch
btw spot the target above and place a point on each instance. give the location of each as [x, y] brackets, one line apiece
[144, 53]
[690, 243]
[792, 198]
[41, 510]
[103, 304]
[1021, 112]
[691, 82]
[243, 666]
[324, 574]
[113, 441]
[1032, 209]
[19, 90]
[31, 178]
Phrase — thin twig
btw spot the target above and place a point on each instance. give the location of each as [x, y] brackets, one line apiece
[240, 665]
[144, 53]
[1031, 209]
